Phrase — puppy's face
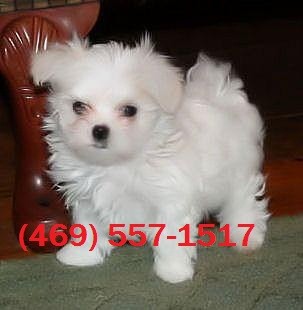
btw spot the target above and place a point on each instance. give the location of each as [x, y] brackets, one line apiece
[107, 99]
[105, 117]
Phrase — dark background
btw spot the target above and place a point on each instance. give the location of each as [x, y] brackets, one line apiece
[262, 39]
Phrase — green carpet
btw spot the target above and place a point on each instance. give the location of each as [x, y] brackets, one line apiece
[269, 279]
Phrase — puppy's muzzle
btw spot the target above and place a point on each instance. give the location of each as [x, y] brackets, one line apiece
[100, 134]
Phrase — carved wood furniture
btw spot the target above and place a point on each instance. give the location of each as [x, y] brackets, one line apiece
[21, 33]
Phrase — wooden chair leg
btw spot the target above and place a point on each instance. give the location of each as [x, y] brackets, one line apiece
[21, 34]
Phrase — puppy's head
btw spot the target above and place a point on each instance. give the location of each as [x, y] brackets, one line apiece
[107, 99]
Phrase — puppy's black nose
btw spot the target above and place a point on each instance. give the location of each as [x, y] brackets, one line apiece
[100, 132]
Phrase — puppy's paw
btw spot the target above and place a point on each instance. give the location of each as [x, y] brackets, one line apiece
[255, 241]
[79, 256]
[173, 271]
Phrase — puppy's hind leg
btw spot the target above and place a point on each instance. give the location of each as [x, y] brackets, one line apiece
[247, 206]
[83, 255]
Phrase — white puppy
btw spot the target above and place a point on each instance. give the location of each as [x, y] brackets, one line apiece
[131, 142]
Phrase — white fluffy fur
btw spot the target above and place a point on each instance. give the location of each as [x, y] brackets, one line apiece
[194, 147]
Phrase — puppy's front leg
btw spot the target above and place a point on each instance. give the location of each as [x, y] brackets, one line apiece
[81, 255]
[174, 263]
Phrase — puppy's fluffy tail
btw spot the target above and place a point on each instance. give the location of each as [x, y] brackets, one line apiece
[212, 82]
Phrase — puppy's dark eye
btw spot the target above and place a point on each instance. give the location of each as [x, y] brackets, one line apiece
[79, 107]
[128, 111]
[47, 86]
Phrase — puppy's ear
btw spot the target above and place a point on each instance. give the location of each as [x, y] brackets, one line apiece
[165, 80]
[48, 66]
